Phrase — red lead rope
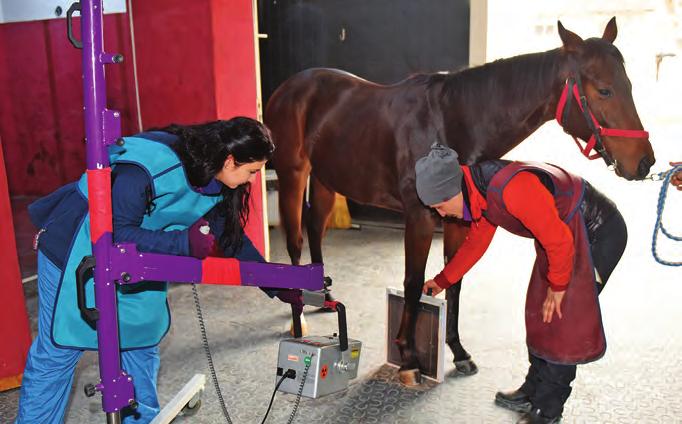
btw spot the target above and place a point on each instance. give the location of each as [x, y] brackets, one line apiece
[608, 132]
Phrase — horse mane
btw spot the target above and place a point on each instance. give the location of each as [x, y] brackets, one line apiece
[516, 77]
[527, 71]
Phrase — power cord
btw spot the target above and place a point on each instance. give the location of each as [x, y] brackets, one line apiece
[209, 358]
[308, 361]
[288, 374]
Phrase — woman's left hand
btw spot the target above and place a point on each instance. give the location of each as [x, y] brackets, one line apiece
[552, 303]
[201, 240]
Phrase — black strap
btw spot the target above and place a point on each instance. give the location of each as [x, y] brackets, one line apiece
[599, 145]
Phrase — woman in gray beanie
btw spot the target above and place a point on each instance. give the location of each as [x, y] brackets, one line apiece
[544, 202]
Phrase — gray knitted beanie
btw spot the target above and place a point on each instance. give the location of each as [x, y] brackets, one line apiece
[439, 175]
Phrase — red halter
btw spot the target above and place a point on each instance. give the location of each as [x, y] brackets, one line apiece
[595, 142]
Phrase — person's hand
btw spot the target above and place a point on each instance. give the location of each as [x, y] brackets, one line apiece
[200, 239]
[435, 288]
[676, 179]
[292, 297]
[552, 303]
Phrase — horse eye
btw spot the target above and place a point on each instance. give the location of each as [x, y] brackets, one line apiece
[605, 92]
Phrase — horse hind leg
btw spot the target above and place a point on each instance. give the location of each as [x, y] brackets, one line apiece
[453, 236]
[321, 205]
[292, 182]
[292, 185]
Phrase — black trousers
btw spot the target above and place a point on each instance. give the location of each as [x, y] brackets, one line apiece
[549, 384]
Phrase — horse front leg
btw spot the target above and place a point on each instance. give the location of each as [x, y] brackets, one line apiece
[418, 234]
[292, 182]
[454, 233]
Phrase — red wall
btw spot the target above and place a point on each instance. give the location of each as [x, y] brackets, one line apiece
[194, 64]
[235, 82]
[14, 329]
[235, 79]
[175, 61]
[41, 119]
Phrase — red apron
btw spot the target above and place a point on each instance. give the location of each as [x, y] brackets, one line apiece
[579, 336]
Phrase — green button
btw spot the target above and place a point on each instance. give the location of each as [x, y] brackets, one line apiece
[307, 360]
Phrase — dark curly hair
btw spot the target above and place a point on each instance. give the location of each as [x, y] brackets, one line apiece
[203, 149]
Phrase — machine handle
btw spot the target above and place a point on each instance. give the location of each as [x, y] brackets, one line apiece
[69, 24]
[343, 328]
[83, 274]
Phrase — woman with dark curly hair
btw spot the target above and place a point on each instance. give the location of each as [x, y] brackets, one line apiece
[176, 191]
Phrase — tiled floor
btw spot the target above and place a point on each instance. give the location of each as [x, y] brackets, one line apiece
[638, 381]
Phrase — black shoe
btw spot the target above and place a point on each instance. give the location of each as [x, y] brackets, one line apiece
[516, 401]
[535, 417]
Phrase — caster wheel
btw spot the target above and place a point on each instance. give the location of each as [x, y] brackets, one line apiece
[191, 408]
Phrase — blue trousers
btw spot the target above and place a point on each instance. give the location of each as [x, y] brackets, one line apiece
[48, 375]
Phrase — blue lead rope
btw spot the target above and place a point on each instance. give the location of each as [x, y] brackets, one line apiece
[659, 216]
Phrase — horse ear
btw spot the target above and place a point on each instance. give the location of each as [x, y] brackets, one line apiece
[611, 31]
[572, 41]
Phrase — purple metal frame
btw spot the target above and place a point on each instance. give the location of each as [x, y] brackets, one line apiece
[122, 263]
[128, 266]
[102, 127]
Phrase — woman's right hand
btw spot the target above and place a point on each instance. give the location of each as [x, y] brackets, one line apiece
[200, 239]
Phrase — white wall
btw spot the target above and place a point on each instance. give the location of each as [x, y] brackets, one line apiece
[645, 29]
[33, 10]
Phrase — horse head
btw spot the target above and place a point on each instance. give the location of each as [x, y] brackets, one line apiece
[597, 106]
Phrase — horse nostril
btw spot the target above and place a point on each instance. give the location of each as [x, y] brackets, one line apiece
[644, 166]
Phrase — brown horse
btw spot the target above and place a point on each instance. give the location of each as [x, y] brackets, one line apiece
[362, 139]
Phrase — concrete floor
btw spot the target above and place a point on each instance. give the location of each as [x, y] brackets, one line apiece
[638, 381]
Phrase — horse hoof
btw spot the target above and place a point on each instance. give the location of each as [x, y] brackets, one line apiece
[466, 367]
[410, 378]
[304, 327]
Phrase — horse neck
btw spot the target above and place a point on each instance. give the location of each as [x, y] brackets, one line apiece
[505, 100]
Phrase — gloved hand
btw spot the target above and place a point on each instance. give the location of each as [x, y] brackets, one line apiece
[200, 239]
[293, 297]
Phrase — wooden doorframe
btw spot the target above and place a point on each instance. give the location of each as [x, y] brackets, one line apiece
[259, 114]
[478, 32]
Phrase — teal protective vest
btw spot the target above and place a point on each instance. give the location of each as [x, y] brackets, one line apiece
[143, 313]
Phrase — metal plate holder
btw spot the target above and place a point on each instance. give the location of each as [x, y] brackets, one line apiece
[430, 334]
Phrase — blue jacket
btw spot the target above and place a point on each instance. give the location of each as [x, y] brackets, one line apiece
[153, 204]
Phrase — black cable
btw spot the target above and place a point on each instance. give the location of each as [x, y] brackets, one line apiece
[214, 377]
[279, 383]
[209, 358]
[300, 391]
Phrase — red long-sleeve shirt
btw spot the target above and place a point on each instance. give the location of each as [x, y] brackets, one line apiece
[529, 201]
